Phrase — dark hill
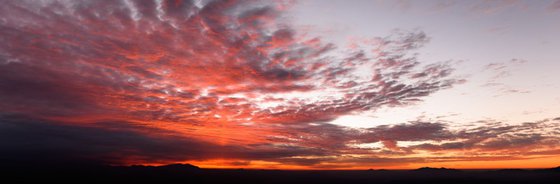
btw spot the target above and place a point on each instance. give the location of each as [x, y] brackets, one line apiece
[433, 169]
[186, 173]
[179, 167]
[556, 169]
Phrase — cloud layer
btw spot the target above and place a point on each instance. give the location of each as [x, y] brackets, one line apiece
[143, 82]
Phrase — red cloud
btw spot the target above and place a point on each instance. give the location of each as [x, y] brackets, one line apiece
[184, 62]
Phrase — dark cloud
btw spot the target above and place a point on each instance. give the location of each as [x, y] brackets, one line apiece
[32, 140]
[415, 131]
[46, 139]
[21, 90]
[498, 137]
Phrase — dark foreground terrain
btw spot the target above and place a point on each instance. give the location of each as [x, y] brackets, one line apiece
[192, 174]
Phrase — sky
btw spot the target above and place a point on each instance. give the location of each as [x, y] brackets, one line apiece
[309, 84]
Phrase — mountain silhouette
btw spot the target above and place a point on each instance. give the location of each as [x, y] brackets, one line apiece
[556, 169]
[180, 167]
[187, 173]
[434, 169]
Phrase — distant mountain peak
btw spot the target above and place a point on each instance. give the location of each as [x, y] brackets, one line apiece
[434, 169]
[180, 166]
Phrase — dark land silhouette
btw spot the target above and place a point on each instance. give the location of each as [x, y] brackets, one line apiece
[185, 173]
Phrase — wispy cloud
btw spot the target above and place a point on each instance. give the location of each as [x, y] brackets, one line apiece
[500, 71]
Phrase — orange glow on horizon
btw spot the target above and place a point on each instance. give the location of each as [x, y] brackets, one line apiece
[532, 163]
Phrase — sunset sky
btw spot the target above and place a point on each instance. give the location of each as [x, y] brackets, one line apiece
[309, 84]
